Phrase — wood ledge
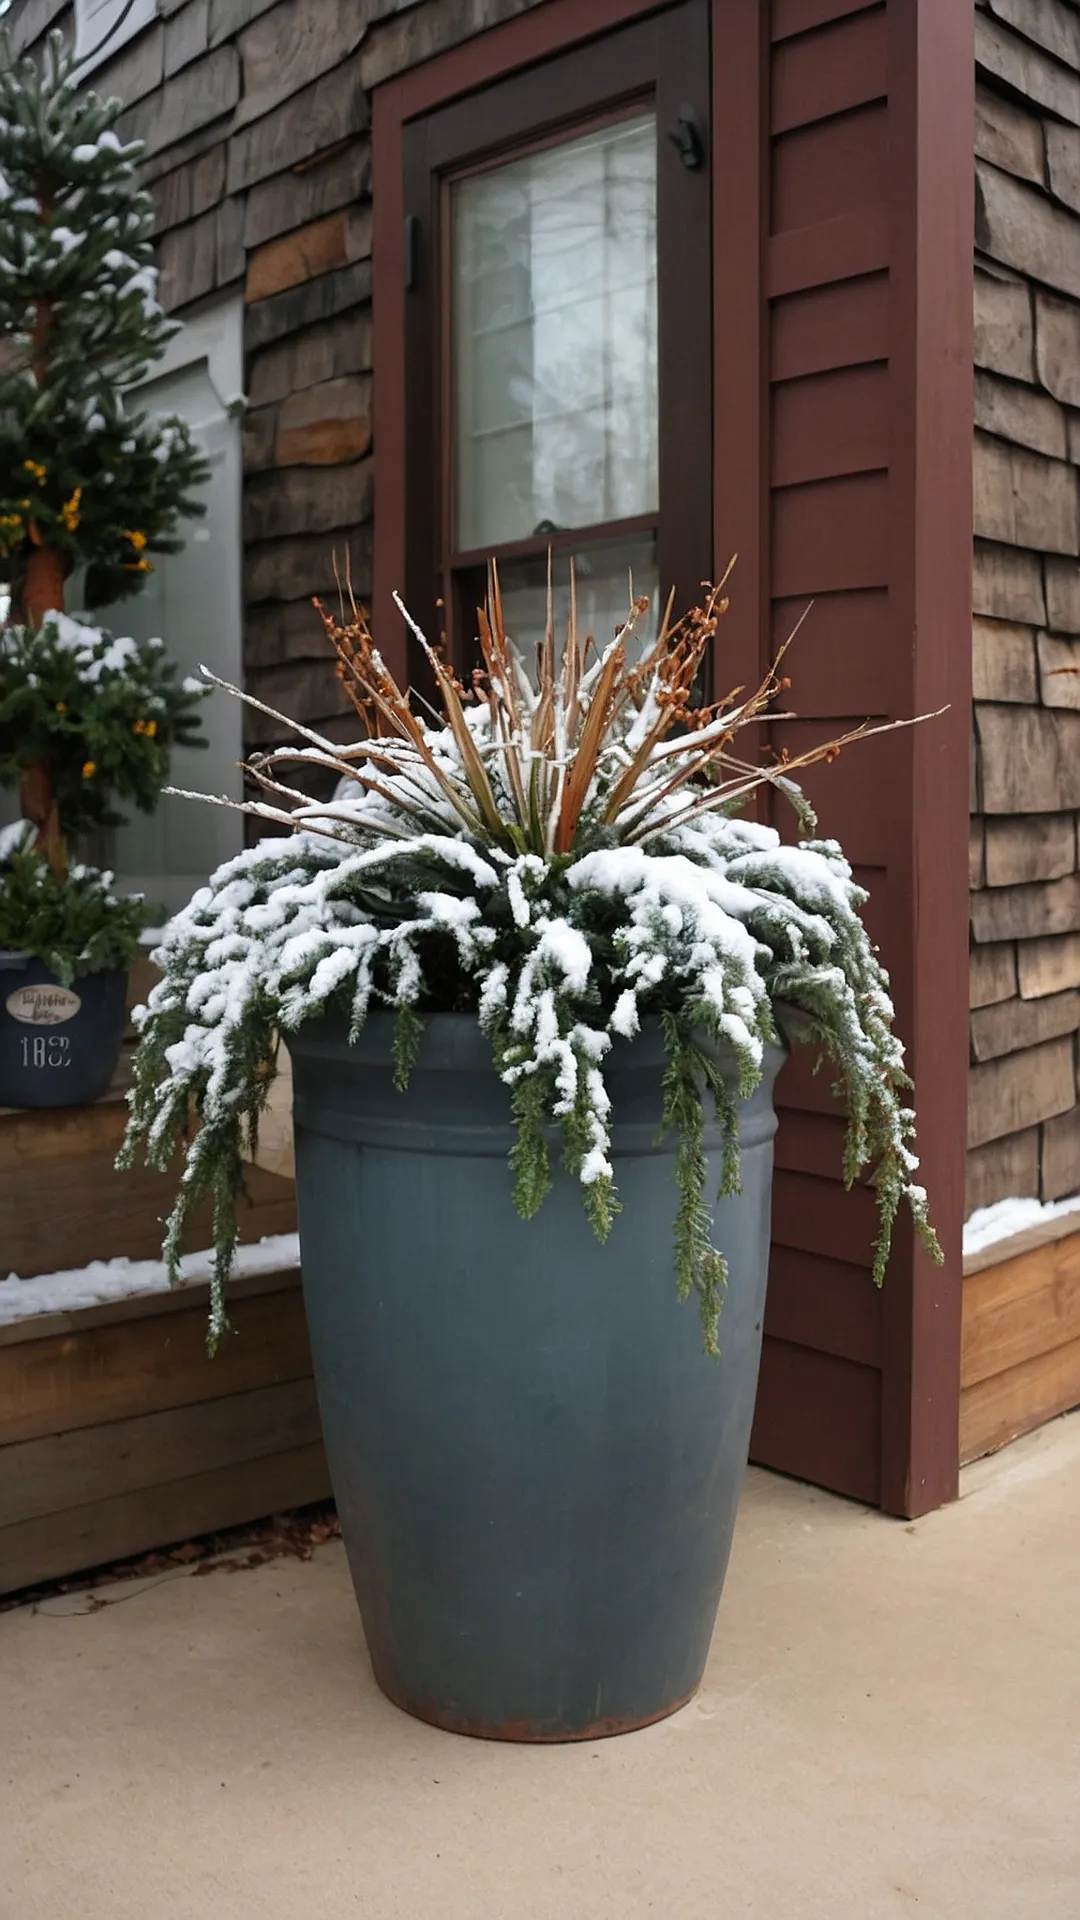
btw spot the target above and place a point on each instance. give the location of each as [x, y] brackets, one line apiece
[1042, 1234]
[141, 1306]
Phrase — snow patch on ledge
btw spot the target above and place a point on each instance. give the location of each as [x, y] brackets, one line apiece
[121, 1279]
[1007, 1218]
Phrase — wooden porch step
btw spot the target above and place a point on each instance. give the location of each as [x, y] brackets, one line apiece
[118, 1434]
[62, 1203]
[1021, 1343]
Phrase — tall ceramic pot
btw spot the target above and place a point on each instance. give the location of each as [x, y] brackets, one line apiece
[536, 1464]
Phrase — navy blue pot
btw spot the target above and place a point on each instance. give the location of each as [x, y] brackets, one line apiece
[58, 1045]
[536, 1464]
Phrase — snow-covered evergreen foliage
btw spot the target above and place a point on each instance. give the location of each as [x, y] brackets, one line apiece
[76, 924]
[560, 858]
[99, 712]
[81, 474]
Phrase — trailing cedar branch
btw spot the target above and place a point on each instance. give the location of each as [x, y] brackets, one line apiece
[561, 857]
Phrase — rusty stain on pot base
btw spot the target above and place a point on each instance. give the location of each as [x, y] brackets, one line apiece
[524, 1732]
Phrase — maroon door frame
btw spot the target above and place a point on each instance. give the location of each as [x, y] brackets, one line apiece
[858, 1392]
[546, 30]
[659, 61]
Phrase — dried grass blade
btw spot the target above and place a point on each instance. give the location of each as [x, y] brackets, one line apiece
[260, 706]
[256, 808]
[475, 770]
[603, 704]
[726, 794]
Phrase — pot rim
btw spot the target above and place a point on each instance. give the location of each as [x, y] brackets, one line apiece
[14, 960]
[455, 1042]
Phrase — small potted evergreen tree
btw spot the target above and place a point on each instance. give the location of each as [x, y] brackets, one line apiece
[87, 483]
[537, 922]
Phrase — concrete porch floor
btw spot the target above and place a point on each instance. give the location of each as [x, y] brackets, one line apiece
[890, 1726]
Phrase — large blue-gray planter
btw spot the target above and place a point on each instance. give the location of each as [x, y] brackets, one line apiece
[536, 1464]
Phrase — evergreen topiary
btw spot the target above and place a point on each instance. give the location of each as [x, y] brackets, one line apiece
[86, 719]
[84, 478]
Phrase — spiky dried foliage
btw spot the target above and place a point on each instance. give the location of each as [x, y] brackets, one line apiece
[560, 855]
[621, 733]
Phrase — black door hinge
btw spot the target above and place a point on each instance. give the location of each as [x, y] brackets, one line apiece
[689, 139]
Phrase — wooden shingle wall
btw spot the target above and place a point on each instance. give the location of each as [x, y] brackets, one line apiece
[1023, 1111]
[256, 119]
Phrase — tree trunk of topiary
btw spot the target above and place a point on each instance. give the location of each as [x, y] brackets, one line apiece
[42, 592]
[42, 588]
[37, 801]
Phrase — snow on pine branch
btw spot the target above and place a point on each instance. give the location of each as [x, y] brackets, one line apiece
[498, 864]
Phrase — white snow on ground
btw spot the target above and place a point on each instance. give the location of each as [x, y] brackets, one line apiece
[120, 1279]
[1006, 1217]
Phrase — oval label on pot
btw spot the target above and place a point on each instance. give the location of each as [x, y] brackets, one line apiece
[43, 1005]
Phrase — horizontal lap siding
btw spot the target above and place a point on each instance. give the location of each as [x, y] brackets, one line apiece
[830, 535]
[791, 17]
[831, 405]
[818, 1416]
[820, 74]
[830, 425]
[858, 672]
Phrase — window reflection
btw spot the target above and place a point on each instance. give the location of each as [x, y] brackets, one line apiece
[554, 341]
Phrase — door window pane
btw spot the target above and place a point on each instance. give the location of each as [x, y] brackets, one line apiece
[554, 338]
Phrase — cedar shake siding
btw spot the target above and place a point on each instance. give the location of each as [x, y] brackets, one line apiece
[1023, 1116]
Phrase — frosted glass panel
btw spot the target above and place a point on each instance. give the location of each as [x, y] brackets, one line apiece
[554, 338]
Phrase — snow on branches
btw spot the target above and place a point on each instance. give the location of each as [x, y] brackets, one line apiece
[561, 859]
[85, 477]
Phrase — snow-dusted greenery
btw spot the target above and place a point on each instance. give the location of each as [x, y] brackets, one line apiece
[81, 474]
[74, 925]
[98, 713]
[561, 858]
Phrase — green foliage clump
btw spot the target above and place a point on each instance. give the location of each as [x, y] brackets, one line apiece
[102, 715]
[82, 474]
[74, 926]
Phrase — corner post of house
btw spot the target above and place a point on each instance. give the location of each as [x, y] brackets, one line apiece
[931, 114]
[388, 360]
[739, 370]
